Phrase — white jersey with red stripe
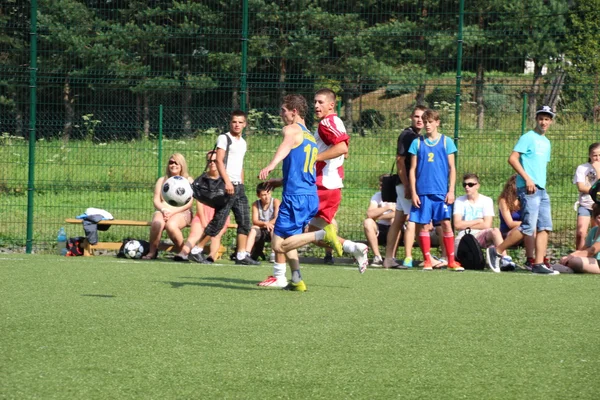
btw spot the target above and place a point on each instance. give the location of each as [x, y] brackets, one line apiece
[331, 131]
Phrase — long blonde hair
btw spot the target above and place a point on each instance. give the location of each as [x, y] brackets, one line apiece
[180, 160]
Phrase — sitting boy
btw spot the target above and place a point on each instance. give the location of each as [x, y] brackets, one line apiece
[264, 214]
[380, 216]
[476, 211]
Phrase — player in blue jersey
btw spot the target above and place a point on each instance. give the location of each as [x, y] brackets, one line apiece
[299, 202]
[432, 179]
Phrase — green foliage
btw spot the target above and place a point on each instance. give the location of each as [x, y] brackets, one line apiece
[371, 119]
[439, 94]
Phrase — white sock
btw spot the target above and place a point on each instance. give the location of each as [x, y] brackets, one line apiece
[279, 271]
[349, 246]
[196, 250]
[241, 255]
[319, 235]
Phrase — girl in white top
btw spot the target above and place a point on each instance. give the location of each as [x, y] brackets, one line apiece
[585, 176]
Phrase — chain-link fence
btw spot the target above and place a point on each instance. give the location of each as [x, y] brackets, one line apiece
[108, 79]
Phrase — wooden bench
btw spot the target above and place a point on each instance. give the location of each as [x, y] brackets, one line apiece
[88, 248]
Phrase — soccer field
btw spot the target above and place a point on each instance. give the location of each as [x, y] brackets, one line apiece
[107, 328]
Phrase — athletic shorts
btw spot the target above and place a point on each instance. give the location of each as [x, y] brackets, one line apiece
[433, 207]
[329, 202]
[382, 232]
[295, 212]
[402, 204]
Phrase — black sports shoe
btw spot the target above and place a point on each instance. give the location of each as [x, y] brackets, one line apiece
[541, 269]
[328, 259]
[197, 257]
[247, 261]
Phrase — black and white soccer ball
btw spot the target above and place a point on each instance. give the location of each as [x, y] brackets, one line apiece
[133, 249]
[177, 191]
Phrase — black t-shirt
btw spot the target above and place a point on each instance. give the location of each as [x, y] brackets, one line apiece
[404, 141]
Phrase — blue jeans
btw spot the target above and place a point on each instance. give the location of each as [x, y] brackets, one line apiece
[536, 212]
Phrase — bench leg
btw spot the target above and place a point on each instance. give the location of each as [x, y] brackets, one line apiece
[87, 248]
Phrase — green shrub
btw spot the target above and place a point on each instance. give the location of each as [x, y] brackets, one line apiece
[371, 118]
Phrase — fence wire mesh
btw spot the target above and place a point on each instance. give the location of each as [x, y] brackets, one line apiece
[104, 68]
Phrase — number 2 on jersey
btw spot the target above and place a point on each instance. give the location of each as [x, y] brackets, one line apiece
[429, 157]
[311, 158]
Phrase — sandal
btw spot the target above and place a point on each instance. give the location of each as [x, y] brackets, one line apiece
[440, 263]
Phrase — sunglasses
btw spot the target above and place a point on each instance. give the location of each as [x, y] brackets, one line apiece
[211, 161]
[171, 162]
[469, 184]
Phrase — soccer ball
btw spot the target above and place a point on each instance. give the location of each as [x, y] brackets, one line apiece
[177, 191]
[133, 249]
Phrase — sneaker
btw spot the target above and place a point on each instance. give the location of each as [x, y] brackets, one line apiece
[328, 259]
[179, 258]
[296, 287]
[332, 239]
[272, 281]
[455, 266]
[507, 264]
[377, 261]
[197, 257]
[247, 260]
[407, 262]
[493, 259]
[361, 257]
[529, 263]
[541, 269]
[272, 257]
[427, 266]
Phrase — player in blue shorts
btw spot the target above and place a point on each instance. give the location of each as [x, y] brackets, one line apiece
[299, 202]
[432, 179]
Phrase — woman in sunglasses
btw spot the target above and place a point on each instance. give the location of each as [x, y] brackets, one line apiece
[476, 211]
[166, 217]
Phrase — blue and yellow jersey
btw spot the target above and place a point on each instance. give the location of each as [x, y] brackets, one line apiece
[299, 173]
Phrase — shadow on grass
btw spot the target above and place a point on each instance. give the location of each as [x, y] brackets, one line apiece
[108, 296]
[225, 283]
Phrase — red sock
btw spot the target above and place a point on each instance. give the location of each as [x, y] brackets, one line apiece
[425, 243]
[449, 245]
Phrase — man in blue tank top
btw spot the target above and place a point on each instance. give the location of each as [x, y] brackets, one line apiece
[299, 202]
[432, 179]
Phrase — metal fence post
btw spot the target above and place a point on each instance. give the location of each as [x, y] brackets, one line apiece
[243, 87]
[160, 140]
[32, 124]
[524, 114]
[459, 51]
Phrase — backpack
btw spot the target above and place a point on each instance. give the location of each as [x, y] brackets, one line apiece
[74, 246]
[469, 253]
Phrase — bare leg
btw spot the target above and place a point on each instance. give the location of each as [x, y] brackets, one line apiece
[156, 228]
[583, 223]
[541, 244]
[251, 238]
[196, 231]
[371, 230]
[173, 227]
[585, 265]
[393, 237]
[514, 237]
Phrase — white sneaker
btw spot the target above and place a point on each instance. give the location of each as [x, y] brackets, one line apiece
[360, 255]
[272, 281]
[377, 261]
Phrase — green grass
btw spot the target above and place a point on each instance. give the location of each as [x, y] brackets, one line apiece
[105, 328]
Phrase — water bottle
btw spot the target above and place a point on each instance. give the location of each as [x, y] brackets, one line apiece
[61, 242]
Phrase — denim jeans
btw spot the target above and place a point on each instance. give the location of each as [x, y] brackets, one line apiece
[536, 212]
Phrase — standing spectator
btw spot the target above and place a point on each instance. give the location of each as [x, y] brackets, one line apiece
[380, 216]
[529, 159]
[476, 211]
[332, 142]
[264, 215]
[166, 217]
[403, 201]
[203, 216]
[300, 201]
[432, 179]
[233, 175]
[585, 176]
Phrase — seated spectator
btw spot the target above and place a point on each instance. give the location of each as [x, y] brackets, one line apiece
[509, 207]
[264, 214]
[476, 211]
[203, 216]
[380, 216]
[166, 217]
[586, 260]
[585, 176]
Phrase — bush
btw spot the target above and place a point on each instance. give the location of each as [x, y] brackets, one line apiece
[398, 89]
[441, 94]
[371, 118]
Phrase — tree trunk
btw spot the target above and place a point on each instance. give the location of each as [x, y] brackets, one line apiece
[479, 88]
[282, 76]
[186, 119]
[535, 88]
[146, 117]
[69, 112]
[235, 98]
[420, 97]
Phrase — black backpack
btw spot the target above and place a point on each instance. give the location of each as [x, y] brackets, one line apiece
[75, 246]
[469, 253]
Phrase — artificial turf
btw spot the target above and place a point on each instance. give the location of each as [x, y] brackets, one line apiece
[107, 328]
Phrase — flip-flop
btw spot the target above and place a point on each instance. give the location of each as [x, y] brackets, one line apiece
[440, 263]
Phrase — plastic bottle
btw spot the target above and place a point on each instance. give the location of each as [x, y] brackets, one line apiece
[61, 242]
